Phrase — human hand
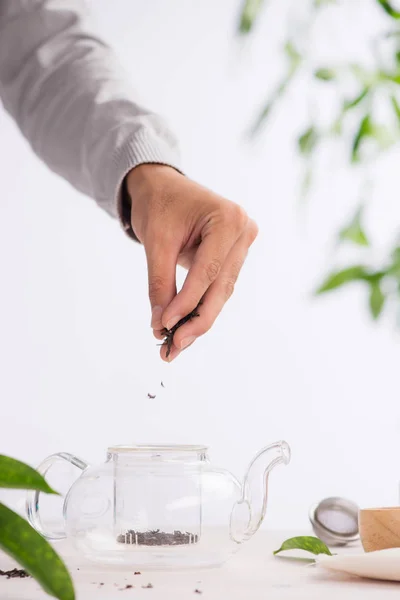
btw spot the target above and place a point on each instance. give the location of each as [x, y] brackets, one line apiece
[180, 222]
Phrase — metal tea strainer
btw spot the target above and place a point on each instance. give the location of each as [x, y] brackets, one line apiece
[335, 521]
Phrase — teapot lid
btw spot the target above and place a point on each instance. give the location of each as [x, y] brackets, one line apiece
[335, 521]
[157, 448]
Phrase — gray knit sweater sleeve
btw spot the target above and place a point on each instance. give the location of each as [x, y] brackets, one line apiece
[68, 95]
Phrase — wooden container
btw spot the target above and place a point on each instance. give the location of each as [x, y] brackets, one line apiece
[379, 528]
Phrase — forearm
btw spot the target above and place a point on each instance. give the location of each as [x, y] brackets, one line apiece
[70, 99]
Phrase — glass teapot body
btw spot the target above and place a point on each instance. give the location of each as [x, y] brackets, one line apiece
[152, 507]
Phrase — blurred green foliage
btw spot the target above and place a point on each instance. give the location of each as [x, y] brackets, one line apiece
[357, 123]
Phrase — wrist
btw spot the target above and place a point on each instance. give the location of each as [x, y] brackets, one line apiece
[146, 177]
[143, 184]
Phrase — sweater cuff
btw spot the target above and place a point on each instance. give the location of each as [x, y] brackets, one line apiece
[143, 148]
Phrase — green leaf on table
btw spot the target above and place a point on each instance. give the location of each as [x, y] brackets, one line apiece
[339, 278]
[304, 542]
[34, 554]
[17, 475]
[308, 140]
[325, 74]
[389, 8]
[250, 11]
[376, 299]
[354, 232]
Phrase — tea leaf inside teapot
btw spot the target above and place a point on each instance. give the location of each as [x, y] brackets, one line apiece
[305, 542]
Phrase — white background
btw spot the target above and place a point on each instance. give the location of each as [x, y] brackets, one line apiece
[77, 356]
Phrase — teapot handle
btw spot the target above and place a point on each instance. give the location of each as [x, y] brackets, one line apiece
[32, 500]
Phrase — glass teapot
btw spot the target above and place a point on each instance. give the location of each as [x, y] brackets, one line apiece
[161, 506]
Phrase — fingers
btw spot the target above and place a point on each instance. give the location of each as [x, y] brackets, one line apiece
[173, 353]
[216, 296]
[161, 263]
[207, 264]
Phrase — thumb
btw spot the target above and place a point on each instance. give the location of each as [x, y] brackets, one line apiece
[161, 265]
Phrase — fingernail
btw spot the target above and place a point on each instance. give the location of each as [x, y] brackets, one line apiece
[156, 314]
[173, 354]
[173, 321]
[187, 341]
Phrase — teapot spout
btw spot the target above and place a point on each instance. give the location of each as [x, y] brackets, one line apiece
[249, 512]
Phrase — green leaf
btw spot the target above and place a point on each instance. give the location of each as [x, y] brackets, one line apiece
[292, 53]
[319, 3]
[34, 553]
[325, 74]
[339, 278]
[17, 475]
[383, 135]
[366, 77]
[306, 183]
[348, 104]
[364, 130]
[354, 232]
[396, 107]
[275, 96]
[263, 116]
[396, 255]
[394, 269]
[305, 542]
[395, 77]
[389, 9]
[295, 61]
[308, 140]
[376, 299]
[250, 11]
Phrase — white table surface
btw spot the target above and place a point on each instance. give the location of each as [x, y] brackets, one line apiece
[253, 574]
